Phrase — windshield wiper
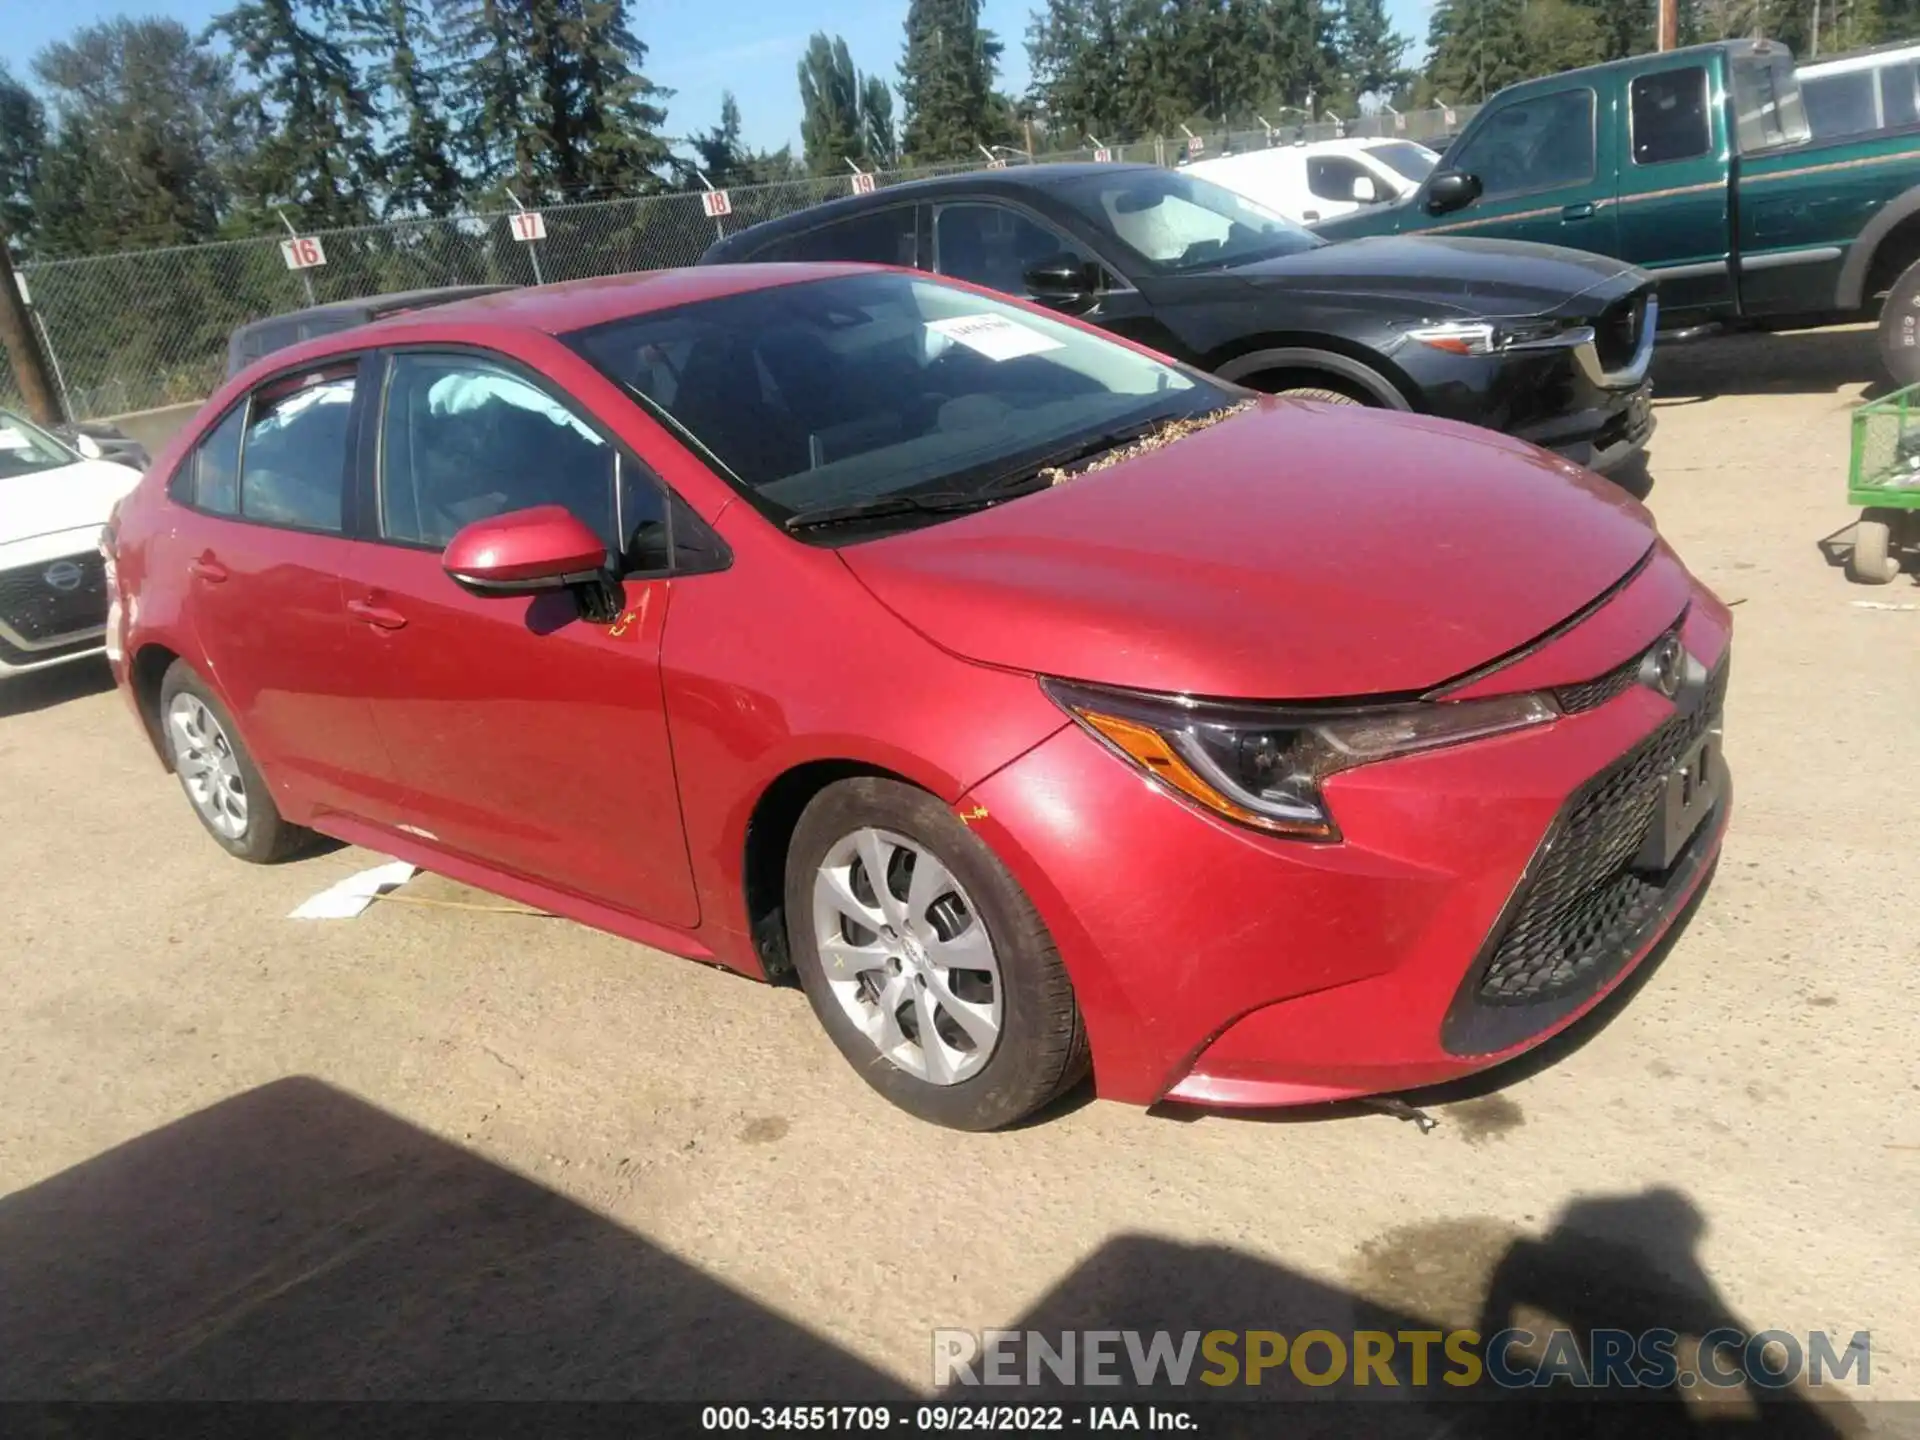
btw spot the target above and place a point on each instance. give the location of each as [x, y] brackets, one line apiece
[937, 502]
[1016, 477]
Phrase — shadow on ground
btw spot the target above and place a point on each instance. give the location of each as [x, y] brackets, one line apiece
[1801, 362]
[296, 1243]
[43, 689]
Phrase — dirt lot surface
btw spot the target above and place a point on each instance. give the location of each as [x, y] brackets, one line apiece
[444, 1151]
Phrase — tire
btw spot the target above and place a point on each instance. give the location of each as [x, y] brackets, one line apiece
[222, 784]
[1900, 328]
[1872, 561]
[1633, 476]
[1023, 1044]
[1325, 397]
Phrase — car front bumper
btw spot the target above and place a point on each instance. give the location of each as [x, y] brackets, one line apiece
[1216, 965]
[53, 607]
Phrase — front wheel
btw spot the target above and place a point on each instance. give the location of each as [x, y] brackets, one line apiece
[924, 960]
[1900, 328]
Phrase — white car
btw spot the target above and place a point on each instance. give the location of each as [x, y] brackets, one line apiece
[53, 585]
[1313, 182]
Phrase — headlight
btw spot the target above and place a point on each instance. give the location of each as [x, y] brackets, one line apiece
[1483, 337]
[1263, 766]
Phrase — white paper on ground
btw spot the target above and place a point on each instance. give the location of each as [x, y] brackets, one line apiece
[353, 894]
[995, 336]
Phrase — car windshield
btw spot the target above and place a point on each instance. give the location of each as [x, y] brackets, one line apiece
[1415, 162]
[26, 448]
[875, 388]
[1180, 223]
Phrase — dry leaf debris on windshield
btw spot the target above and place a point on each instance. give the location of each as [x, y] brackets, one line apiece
[1153, 440]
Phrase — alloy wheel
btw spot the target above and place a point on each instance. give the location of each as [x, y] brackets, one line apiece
[907, 956]
[204, 759]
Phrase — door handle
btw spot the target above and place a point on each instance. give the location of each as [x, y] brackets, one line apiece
[377, 616]
[207, 568]
[1582, 211]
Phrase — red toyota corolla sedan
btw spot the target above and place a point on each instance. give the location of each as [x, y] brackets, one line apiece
[1039, 703]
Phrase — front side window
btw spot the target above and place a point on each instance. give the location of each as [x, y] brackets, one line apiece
[1175, 224]
[293, 464]
[464, 439]
[877, 237]
[25, 448]
[1331, 177]
[1537, 144]
[841, 391]
[1669, 116]
[994, 246]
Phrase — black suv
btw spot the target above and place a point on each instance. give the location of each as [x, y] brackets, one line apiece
[1547, 344]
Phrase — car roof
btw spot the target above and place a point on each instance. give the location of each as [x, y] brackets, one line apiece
[1013, 181]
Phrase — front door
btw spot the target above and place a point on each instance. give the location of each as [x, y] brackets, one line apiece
[522, 735]
[1538, 159]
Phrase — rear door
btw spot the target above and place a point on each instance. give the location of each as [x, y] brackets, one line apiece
[268, 510]
[523, 736]
[1673, 191]
[1540, 159]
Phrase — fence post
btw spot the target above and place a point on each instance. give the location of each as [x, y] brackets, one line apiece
[23, 346]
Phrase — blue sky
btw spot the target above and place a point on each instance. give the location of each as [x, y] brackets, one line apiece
[753, 53]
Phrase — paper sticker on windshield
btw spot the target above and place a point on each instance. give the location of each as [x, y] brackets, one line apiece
[995, 336]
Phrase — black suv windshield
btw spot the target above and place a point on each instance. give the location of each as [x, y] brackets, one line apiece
[26, 448]
[885, 392]
[1179, 223]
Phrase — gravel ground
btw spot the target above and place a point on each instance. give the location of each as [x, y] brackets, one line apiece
[445, 1151]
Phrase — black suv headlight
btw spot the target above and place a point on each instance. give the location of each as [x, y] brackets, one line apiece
[1491, 337]
[1263, 765]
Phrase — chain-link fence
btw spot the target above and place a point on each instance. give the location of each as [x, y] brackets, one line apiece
[145, 329]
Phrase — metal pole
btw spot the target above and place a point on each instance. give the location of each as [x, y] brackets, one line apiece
[46, 343]
[306, 280]
[1669, 25]
[718, 232]
[23, 346]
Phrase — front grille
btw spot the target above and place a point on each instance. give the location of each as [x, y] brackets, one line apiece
[1582, 910]
[1616, 334]
[1592, 694]
[37, 610]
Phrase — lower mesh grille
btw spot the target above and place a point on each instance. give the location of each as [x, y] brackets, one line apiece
[1582, 910]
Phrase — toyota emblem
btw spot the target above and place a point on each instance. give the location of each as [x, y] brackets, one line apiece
[62, 575]
[1665, 667]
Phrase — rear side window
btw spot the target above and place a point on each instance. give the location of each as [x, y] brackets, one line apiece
[209, 478]
[1767, 107]
[293, 465]
[1670, 116]
[880, 237]
[1841, 104]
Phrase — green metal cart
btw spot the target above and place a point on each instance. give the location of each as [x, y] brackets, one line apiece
[1884, 481]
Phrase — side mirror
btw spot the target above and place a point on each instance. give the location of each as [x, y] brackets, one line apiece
[1365, 192]
[88, 446]
[1451, 190]
[1062, 277]
[524, 551]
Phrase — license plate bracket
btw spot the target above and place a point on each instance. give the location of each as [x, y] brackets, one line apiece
[1689, 792]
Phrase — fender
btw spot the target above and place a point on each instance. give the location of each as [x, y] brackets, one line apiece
[1305, 357]
[1853, 273]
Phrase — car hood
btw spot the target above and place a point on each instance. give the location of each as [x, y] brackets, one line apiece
[1479, 277]
[1294, 552]
[69, 498]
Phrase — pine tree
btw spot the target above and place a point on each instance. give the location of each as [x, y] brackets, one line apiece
[23, 141]
[1077, 50]
[482, 56]
[616, 111]
[1371, 51]
[877, 134]
[1476, 47]
[832, 130]
[724, 159]
[310, 108]
[417, 152]
[139, 143]
[946, 80]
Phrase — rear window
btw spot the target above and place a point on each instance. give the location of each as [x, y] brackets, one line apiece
[1415, 162]
[1767, 108]
[1841, 104]
[1897, 94]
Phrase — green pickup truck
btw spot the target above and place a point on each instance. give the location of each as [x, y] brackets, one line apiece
[1698, 166]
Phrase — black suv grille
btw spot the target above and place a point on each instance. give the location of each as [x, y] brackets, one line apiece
[1583, 908]
[36, 609]
[1616, 334]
